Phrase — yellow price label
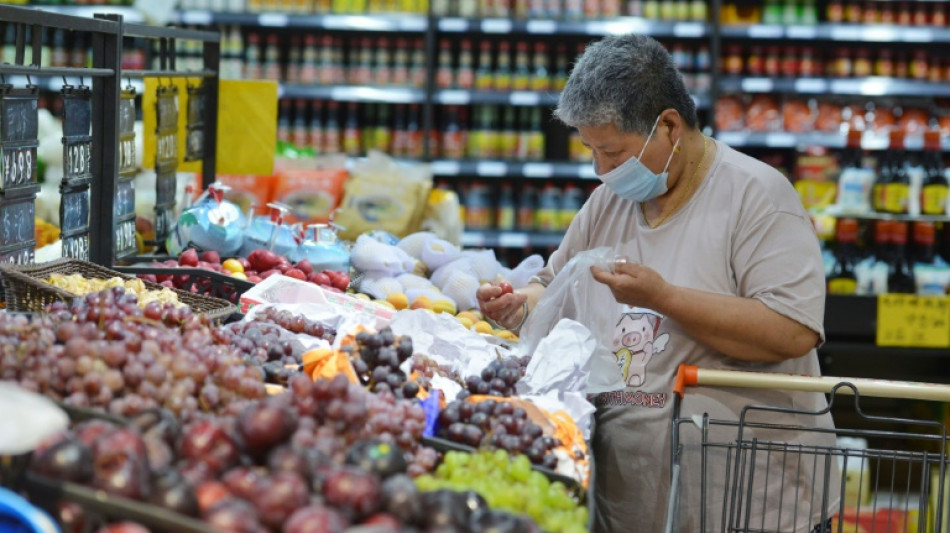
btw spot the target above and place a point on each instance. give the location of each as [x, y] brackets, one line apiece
[913, 321]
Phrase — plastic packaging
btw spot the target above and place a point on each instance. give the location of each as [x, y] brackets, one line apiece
[212, 223]
[268, 232]
[323, 249]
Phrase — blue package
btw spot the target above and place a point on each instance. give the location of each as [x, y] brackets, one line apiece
[383, 236]
[431, 408]
[17, 515]
[212, 223]
[324, 250]
[268, 232]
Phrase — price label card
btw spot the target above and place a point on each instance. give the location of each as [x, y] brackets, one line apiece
[801, 32]
[689, 29]
[454, 97]
[17, 223]
[19, 166]
[763, 31]
[194, 142]
[74, 211]
[124, 198]
[445, 168]
[757, 85]
[513, 240]
[524, 98]
[127, 164]
[166, 159]
[453, 25]
[18, 115]
[491, 168]
[76, 246]
[196, 18]
[273, 20]
[537, 170]
[541, 26]
[913, 321]
[19, 256]
[125, 237]
[496, 26]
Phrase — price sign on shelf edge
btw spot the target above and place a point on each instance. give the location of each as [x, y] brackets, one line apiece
[907, 320]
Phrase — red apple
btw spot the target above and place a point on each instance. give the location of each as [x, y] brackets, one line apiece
[305, 266]
[342, 281]
[506, 288]
[188, 258]
[284, 268]
[262, 260]
[296, 273]
[320, 278]
[210, 256]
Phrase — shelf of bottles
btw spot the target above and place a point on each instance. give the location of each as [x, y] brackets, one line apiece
[837, 140]
[936, 86]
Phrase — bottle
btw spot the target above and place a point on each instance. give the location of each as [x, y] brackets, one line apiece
[283, 122]
[400, 71]
[502, 76]
[521, 78]
[414, 143]
[452, 144]
[549, 208]
[872, 271]
[897, 189]
[294, 60]
[508, 141]
[540, 79]
[417, 69]
[309, 68]
[301, 132]
[77, 53]
[933, 193]
[478, 214]
[924, 238]
[361, 73]
[900, 273]
[317, 141]
[534, 141]
[325, 75]
[382, 134]
[400, 145]
[483, 75]
[560, 73]
[59, 57]
[444, 76]
[272, 59]
[331, 133]
[854, 179]
[505, 215]
[352, 141]
[383, 68]
[526, 208]
[842, 279]
[252, 57]
[571, 202]
[465, 76]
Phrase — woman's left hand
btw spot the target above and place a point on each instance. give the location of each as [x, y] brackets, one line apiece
[633, 284]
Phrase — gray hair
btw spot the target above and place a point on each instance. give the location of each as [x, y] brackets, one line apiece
[627, 81]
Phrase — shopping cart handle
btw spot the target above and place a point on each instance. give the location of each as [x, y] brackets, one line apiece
[691, 376]
[686, 376]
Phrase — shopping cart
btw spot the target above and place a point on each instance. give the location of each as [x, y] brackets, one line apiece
[751, 473]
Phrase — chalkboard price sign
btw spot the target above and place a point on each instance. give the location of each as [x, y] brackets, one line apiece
[17, 222]
[19, 256]
[76, 246]
[19, 166]
[164, 218]
[167, 152]
[125, 238]
[74, 211]
[18, 115]
[166, 159]
[124, 198]
[77, 141]
[194, 141]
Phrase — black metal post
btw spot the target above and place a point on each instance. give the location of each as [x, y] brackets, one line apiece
[428, 106]
[211, 54]
[106, 53]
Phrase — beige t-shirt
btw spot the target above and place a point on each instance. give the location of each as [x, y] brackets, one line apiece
[744, 233]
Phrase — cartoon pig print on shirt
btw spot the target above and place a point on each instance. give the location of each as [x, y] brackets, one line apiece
[636, 342]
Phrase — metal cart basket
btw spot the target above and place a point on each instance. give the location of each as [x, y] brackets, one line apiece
[777, 470]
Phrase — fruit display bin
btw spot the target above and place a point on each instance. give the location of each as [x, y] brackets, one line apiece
[25, 288]
[196, 280]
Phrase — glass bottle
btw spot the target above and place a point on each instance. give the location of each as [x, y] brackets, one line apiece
[465, 76]
[842, 279]
[933, 193]
[317, 141]
[272, 58]
[452, 144]
[301, 133]
[382, 66]
[483, 75]
[351, 131]
[308, 70]
[540, 79]
[900, 272]
[444, 75]
[897, 189]
[505, 215]
[252, 57]
[526, 208]
[502, 76]
[521, 79]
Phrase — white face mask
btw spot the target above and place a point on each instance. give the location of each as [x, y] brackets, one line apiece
[633, 181]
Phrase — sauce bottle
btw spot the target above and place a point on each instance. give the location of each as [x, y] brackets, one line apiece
[900, 273]
[842, 279]
[549, 208]
[526, 208]
[933, 191]
[505, 216]
[897, 189]
[478, 207]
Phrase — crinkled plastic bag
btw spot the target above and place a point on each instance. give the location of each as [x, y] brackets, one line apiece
[575, 294]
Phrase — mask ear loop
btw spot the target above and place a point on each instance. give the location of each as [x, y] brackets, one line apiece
[650, 136]
[670, 159]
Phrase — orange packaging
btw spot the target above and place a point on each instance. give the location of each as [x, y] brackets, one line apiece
[797, 116]
[886, 520]
[729, 113]
[247, 189]
[311, 194]
[763, 114]
[829, 117]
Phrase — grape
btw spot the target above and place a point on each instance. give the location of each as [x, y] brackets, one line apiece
[279, 497]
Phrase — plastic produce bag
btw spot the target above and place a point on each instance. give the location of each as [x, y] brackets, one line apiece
[28, 420]
[575, 294]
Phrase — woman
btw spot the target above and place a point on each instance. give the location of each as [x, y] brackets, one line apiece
[724, 271]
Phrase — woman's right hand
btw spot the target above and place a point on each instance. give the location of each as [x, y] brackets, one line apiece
[500, 304]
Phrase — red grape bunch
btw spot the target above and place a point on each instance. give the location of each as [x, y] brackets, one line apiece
[497, 425]
[497, 379]
[103, 351]
[376, 358]
[426, 369]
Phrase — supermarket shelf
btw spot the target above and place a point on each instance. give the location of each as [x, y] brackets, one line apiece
[511, 239]
[381, 23]
[55, 83]
[508, 169]
[518, 98]
[871, 33]
[130, 15]
[870, 140]
[868, 86]
[615, 26]
[884, 216]
[352, 93]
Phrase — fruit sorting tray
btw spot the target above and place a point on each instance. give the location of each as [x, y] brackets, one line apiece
[25, 288]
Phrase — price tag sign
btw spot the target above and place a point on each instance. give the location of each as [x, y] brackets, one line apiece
[74, 221]
[16, 219]
[913, 321]
[22, 256]
[77, 138]
[124, 206]
[195, 140]
[166, 159]
[19, 126]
